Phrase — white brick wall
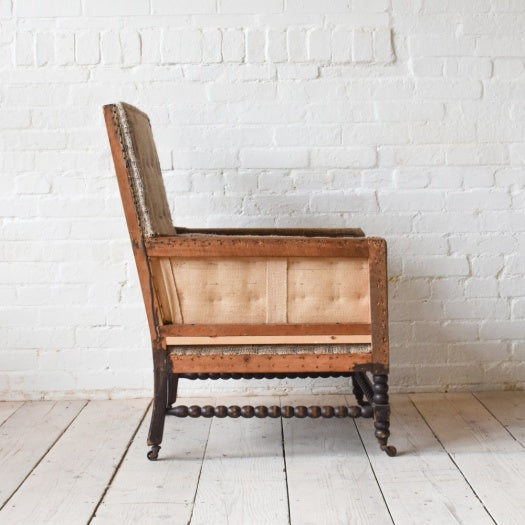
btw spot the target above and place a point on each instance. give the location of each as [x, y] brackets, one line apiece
[406, 118]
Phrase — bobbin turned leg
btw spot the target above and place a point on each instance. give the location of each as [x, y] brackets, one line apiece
[362, 389]
[160, 402]
[357, 390]
[382, 413]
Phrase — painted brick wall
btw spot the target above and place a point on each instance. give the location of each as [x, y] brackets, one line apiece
[403, 117]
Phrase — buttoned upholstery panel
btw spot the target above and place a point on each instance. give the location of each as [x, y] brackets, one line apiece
[144, 171]
[328, 290]
[221, 290]
[249, 290]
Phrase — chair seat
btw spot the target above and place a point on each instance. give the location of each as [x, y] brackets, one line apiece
[269, 349]
[276, 232]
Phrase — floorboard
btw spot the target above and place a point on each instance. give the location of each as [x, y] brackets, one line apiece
[329, 476]
[243, 480]
[161, 491]
[27, 436]
[509, 409]
[8, 408]
[422, 480]
[461, 460]
[67, 485]
[491, 460]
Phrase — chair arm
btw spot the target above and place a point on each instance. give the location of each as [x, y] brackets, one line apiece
[276, 232]
[258, 246]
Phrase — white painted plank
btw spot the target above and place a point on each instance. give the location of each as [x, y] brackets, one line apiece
[67, 485]
[144, 512]
[490, 459]
[329, 476]
[243, 480]
[509, 409]
[26, 437]
[161, 491]
[8, 408]
[421, 484]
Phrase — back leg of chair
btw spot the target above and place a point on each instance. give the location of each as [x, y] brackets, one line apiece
[173, 380]
[160, 402]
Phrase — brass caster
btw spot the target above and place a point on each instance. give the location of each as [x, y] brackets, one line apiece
[390, 450]
[153, 454]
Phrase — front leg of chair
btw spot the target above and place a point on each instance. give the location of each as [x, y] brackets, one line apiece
[381, 407]
[160, 401]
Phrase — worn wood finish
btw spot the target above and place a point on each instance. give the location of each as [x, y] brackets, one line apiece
[215, 330]
[66, 486]
[491, 460]
[160, 403]
[253, 246]
[240, 364]
[27, 436]
[173, 384]
[379, 304]
[132, 220]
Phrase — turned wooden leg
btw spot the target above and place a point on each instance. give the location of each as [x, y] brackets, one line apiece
[173, 380]
[382, 413]
[363, 393]
[357, 390]
[160, 402]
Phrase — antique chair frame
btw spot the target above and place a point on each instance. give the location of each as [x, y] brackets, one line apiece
[269, 350]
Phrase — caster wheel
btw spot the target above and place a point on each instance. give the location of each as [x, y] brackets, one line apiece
[390, 450]
[153, 454]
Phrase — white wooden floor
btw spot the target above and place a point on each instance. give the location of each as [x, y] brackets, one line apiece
[461, 460]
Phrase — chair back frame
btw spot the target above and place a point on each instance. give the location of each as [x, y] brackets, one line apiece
[113, 116]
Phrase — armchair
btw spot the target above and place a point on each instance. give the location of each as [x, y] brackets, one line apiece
[259, 303]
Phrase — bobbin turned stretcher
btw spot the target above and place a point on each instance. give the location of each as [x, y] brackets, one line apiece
[254, 303]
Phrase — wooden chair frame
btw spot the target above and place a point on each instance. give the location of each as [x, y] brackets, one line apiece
[170, 366]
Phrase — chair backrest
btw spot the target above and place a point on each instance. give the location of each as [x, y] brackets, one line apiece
[142, 191]
[143, 169]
